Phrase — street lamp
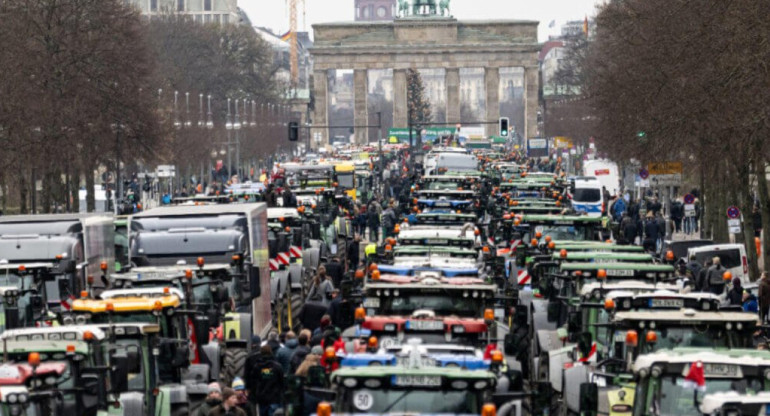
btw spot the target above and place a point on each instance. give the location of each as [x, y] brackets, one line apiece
[229, 127]
[187, 122]
[177, 123]
[210, 119]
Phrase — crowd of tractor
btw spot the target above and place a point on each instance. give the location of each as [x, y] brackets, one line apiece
[375, 281]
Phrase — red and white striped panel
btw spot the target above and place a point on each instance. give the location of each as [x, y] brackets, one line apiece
[491, 241]
[523, 277]
[296, 252]
[514, 244]
[284, 258]
[274, 265]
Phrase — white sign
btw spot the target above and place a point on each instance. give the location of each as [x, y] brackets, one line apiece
[538, 143]
[363, 400]
[689, 210]
[166, 171]
[734, 225]
[666, 180]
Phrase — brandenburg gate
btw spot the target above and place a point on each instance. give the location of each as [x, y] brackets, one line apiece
[425, 40]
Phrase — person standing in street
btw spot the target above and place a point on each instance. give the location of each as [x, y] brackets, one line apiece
[715, 277]
[764, 297]
[267, 384]
[213, 399]
[229, 406]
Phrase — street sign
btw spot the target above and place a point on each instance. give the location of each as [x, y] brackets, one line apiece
[665, 168]
[689, 199]
[165, 171]
[733, 212]
[666, 180]
[734, 225]
[689, 210]
[644, 173]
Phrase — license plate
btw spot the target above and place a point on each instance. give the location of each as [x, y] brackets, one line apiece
[149, 275]
[721, 370]
[442, 204]
[666, 303]
[372, 303]
[424, 361]
[605, 261]
[425, 325]
[436, 241]
[424, 381]
[620, 273]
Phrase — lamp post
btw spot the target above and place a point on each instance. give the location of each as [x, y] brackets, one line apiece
[229, 127]
[237, 127]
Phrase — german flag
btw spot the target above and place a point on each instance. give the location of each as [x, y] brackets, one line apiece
[286, 36]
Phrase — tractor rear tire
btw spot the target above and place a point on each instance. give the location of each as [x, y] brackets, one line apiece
[232, 364]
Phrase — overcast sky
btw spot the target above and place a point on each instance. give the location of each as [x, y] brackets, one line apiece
[273, 14]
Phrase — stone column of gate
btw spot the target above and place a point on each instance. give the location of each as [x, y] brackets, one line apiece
[452, 82]
[530, 101]
[320, 111]
[399, 98]
[492, 85]
[360, 111]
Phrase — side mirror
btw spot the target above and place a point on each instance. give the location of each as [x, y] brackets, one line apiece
[508, 344]
[66, 266]
[584, 344]
[119, 372]
[255, 288]
[516, 378]
[219, 293]
[201, 325]
[554, 308]
[573, 322]
[589, 398]
[12, 317]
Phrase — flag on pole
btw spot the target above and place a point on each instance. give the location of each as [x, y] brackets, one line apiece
[695, 378]
[286, 36]
[552, 24]
[585, 26]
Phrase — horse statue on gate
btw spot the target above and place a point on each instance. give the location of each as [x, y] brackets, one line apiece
[403, 8]
[444, 7]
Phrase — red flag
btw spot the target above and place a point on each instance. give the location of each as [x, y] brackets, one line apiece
[695, 378]
[585, 26]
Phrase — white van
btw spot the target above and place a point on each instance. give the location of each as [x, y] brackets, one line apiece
[731, 256]
[587, 196]
[605, 171]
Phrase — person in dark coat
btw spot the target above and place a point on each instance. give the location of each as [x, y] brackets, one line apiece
[764, 296]
[251, 359]
[650, 233]
[229, 406]
[735, 295]
[335, 270]
[627, 229]
[302, 350]
[266, 384]
[354, 254]
[284, 354]
[694, 267]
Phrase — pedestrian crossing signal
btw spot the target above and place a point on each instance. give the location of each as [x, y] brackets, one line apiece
[293, 131]
[503, 126]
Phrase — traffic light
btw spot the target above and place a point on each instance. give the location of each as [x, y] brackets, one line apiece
[503, 126]
[293, 131]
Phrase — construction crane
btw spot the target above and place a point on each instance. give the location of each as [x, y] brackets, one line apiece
[293, 44]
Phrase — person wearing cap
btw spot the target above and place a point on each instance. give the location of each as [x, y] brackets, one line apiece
[213, 399]
[266, 385]
[243, 398]
[229, 406]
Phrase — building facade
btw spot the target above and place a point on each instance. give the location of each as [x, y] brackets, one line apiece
[202, 11]
[375, 10]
